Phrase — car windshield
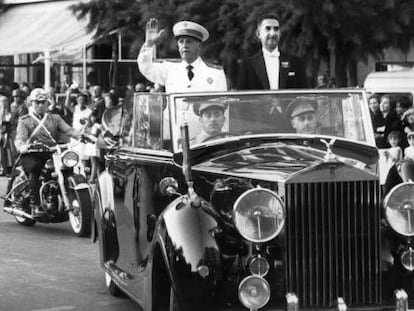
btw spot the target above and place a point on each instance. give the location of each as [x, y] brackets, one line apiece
[216, 117]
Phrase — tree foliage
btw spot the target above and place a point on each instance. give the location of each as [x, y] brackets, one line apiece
[318, 30]
[349, 30]
[2, 6]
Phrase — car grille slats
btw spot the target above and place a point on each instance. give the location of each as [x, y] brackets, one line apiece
[333, 243]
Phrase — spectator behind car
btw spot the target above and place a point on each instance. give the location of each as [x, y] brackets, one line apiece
[409, 151]
[378, 121]
[402, 104]
[392, 121]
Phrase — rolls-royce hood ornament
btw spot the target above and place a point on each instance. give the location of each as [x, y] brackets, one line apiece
[330, 156]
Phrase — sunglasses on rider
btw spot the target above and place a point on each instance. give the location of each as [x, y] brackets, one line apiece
[39, 101]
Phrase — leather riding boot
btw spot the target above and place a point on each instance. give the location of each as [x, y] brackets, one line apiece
[35, 204]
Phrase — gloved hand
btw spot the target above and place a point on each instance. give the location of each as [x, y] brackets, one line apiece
[88, 138]
[24, 149]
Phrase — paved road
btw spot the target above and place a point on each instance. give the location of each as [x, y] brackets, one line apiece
[46, 268]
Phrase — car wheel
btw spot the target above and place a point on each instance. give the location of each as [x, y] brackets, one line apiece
[113, 289]
[80, 216]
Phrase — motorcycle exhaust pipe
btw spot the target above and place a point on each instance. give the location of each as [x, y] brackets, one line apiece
[17, 212]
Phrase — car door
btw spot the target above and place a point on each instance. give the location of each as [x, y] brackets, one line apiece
[139, 166]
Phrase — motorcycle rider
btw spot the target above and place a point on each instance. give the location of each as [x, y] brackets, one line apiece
[42, 127]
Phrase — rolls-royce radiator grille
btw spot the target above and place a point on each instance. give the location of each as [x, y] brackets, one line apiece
[333, 243]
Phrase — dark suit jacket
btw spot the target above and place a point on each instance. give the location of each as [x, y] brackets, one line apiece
[252, 73]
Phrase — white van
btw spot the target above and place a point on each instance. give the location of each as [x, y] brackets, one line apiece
[391, 82]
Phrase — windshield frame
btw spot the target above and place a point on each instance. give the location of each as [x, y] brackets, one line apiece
[175, 127]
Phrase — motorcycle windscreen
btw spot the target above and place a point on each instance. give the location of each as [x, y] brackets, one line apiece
[112, 121]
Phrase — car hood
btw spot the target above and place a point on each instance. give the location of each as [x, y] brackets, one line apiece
[286, 161]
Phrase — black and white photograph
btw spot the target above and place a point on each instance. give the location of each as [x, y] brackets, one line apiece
[185, 155]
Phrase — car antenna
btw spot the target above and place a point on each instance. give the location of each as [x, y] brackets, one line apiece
[192, 195]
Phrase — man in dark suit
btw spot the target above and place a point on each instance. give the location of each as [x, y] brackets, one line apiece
[270, 68]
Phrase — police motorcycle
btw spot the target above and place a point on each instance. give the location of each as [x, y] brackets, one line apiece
[64, 191]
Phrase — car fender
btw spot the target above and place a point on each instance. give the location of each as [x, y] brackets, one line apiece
[105, 186]
[102, 204]
[187, 238]
[78, 182]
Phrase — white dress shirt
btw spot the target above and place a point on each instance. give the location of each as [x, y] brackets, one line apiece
[271, 60]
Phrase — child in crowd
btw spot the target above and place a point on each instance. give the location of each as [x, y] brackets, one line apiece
[409, 151]
[394, 153]
[91, 150]
[378, 121]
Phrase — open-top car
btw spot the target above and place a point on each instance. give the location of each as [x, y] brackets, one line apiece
[253, 200]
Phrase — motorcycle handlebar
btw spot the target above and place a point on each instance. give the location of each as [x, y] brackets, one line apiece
[40, 147]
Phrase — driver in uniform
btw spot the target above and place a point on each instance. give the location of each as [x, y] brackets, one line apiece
[41, 127]
[211, 118]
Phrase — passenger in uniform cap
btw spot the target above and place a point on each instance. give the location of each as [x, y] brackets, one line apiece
[211, 117]
[192, 73]
[302, 115]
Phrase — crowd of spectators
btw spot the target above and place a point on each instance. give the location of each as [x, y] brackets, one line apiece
[393, 123]
[82, 109]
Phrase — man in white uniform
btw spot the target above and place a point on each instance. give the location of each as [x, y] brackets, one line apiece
[192, 73]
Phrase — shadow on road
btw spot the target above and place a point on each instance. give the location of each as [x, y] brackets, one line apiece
[40, 230]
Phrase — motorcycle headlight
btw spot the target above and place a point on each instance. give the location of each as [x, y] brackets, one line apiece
[259, 215]
[70, 158]
[399, 208]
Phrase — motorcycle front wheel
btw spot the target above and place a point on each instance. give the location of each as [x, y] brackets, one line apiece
[80, 215]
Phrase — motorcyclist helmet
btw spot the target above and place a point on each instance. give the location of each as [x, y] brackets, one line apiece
[38, 94]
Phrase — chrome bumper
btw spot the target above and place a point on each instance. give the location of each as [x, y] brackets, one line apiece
[401, 302]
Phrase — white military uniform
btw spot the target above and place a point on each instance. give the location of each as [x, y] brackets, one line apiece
[174, 76]
[201, 137]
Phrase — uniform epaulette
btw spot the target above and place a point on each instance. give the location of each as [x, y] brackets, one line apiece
[167, 60]
[212, 65]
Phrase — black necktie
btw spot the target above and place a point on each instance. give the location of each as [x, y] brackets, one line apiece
[190, 72]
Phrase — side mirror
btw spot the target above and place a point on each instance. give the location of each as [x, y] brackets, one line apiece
[168, 186]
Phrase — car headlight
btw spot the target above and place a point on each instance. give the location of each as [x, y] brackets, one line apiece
[407, 259]
[259, 215]
[399, 208]
[254, 292]
[259, 266]
[70, 158]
